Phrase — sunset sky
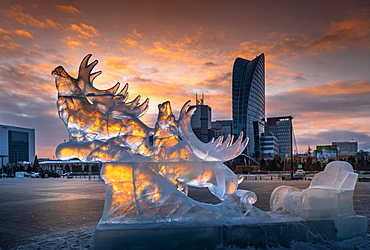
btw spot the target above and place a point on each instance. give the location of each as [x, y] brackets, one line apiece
[317, 59]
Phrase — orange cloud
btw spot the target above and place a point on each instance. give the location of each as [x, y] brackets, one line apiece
[342, 34]
[182, 51]
[15, 13]
[23, 33]
[355, 30]
[6, 38]
[70, 42]
[130, 42]
[336, 88]
[2, 31]
[135, 33]
[7, 48]
[84, 30]
[93, 44]
[68, 8]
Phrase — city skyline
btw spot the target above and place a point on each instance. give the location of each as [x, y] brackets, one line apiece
[316, 55]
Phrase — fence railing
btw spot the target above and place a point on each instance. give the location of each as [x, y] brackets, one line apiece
[82, 175]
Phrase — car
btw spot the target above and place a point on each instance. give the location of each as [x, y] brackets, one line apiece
[35, 175]
[68, 175]
[49, 173]
[299, 174]
[53, 174]
[26, 174]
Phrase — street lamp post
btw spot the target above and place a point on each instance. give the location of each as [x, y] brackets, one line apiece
[291, 147]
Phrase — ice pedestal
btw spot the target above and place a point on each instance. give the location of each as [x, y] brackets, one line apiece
[277, 231]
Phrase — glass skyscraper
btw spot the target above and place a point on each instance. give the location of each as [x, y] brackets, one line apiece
[281, 127]
[248, 101]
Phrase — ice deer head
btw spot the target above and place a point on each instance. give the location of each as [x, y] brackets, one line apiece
[110, 102]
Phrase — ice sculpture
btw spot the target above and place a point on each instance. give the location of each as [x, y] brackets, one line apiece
[330, 196]
[147, 170]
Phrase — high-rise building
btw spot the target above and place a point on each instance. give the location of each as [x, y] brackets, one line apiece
[248, 101]
[16, 144]
[281, 128]
[201, 120]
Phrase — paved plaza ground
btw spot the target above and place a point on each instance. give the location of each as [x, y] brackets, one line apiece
[63, 213]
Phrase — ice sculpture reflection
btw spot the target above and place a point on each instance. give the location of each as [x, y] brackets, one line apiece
[147, 170]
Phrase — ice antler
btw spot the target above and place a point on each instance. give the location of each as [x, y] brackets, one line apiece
[214, 150]
[108, 101]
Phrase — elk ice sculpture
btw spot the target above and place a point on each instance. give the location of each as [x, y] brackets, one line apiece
[147, 170]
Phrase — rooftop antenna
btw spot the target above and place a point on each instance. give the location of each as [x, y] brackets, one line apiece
[199, 101]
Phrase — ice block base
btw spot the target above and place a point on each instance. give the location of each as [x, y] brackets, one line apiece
[259, 233]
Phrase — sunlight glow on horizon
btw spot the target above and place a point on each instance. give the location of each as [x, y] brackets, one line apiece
[316, 69]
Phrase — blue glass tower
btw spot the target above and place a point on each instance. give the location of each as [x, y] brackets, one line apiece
[248, 101]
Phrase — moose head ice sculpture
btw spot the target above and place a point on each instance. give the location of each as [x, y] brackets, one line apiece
[146, 170]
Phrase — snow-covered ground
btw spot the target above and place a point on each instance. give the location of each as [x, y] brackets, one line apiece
[75, 207]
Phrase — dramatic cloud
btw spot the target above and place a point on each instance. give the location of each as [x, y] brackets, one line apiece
[340, 35]
[345, 33]
[68, 8]
[317, 58]
[83, 30]
[130, 42]
[23, 33]
[16, 13]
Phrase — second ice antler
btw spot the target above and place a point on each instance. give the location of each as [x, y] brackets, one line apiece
[214, 150]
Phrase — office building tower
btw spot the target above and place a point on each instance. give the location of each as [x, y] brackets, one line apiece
[282, 129]
[269, 146]
[346, 147]
[16, 144]
[248, 101]
[201, 120]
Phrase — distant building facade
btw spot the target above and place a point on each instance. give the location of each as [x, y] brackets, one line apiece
[269, 146]
[222, 128]
[346, 148]
[201, 121]
[258, 130]
[71, 166]
[16, 144]
[281, 127]
[248, 101]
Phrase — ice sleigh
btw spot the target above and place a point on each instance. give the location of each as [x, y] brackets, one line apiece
[330, 196]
